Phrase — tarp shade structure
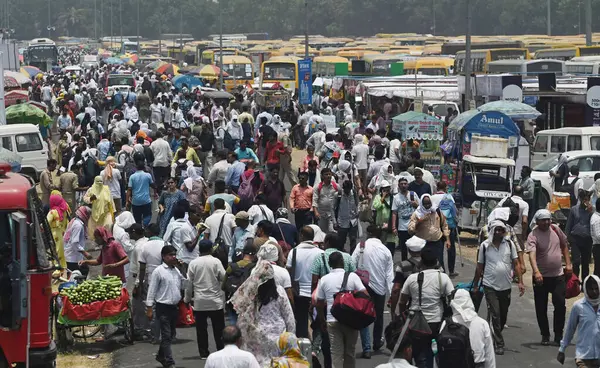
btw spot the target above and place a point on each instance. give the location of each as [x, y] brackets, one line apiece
[489, 123]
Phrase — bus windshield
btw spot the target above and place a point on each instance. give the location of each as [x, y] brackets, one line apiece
[238, 70]
[508, 54]
[285, 71]
[432, 71]
[46, 52]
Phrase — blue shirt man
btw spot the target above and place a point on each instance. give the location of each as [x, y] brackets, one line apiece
[243, 231]
[64, 121]
[234, 172]
[138, 195]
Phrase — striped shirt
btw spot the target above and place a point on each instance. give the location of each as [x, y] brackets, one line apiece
[165, 286]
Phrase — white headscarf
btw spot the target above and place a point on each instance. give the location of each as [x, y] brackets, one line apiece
[145, 128]
[192, 176]
[492, 228]
[268, 252]
[594, 302]
[384, 174]
[347, 109]
[462, 306]
[358, 139]
[125, 220]
[422, 211]
[319, 234]
[501, 213]
[542, 214]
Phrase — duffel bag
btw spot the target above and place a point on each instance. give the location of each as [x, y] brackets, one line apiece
[354, 309]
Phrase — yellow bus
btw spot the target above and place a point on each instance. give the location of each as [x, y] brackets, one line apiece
[212, 56]
[380, 64]
[567, 53]
[325, 65]
[429, 66]
[480, 58]
[282, 70]
[239, 69]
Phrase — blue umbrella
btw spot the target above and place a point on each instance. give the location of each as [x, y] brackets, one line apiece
[187, 79]
[113, 60]
[516, 110]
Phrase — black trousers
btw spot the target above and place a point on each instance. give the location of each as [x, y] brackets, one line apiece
[438, 247]
[581, 255]
[345, 233]
[217, 319]
[303, 218]
[379, 301]
[557, 287]
[161, 174]
[301, 306]
[422, 353]
[497, 304]
[167, 320]
[596, 254]
[403, 236]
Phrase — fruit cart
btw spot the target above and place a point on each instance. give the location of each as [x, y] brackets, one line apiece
[80, 310]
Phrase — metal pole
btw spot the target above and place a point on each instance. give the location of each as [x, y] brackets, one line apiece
[578, 17]
[138, 26]
[468, 58]
[548, 18]
[306, 29]
[121, 22]
[433, 14]
[181, 32]
[220, 45]
[588, 22]
[95, 22]
[2, 110]
[111, 24]
[49, 20]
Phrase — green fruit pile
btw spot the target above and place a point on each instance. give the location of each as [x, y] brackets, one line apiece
[89, 291]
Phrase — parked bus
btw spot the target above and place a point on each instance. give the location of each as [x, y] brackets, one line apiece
[567, 53]
[453, 48]
[583, 65]
[41, 53]
[380, 64]
[480, 58]
[325, 65]
[429, 66]
[282, 70]
[527, 67]
[239, 69]
[129, 47]
[212, 56]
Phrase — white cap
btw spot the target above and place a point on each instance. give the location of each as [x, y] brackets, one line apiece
[385, 183]
[415, 244]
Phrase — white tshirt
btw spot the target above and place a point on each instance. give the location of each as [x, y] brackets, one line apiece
[361, 155]
[256, 215]
[151, 255]
[331, 284]
[306, 252]
[214, 221]
[395, 145]
[435, 285]
[282, 276]
[497, 272]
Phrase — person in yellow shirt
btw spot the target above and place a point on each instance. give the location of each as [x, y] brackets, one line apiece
[190, 153]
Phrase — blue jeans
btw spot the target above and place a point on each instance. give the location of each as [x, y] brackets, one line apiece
[365, 339]
[142, 213]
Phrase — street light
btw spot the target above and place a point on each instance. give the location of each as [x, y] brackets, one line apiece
[220, 45]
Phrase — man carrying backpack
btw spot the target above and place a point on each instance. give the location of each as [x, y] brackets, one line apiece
[235, 275]
[519, 208]
[405, 269]
[403, 206]
[465, 339]
[427, 292]
[325, 196]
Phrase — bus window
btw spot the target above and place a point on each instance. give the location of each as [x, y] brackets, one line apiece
[285, 71]
[574, 143]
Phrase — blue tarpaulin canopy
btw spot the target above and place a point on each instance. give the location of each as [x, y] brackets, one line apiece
[485, 123]
[189, 80]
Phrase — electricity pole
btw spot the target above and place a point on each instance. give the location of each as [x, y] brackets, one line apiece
[548, 18]
[221, 46]
[95, 22]
[588, 22]
[306, 29]
[468, 58]
[138, 26]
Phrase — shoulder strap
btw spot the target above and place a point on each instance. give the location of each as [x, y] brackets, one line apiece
[263, 212]
[280, 231]
[293, 264]
[361, 253]
[420, 278]
[220, 227]
[346, 274]
[324, 262]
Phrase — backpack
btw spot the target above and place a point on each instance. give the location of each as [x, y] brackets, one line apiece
[134, 128]
[228, 142]
[333, 183]
[454, 346]
[237, 277]
[129, 166]
[220, 250]
[570, 188]
[246, 190]
[513, 218]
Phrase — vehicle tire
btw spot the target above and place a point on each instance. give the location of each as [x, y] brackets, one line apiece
[85, 332]
[129, 328]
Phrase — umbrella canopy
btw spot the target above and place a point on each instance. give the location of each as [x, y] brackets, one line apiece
[191, 69]
[30, 71]
[516, 110]
[40, 105]
[20, 78]
[187, 79]
[10, 82]
[168, 69]
[418, 125]
[155, 64]
[132, 57]
[27, 114]
[211, 71]
[113, 60]
[11, 97]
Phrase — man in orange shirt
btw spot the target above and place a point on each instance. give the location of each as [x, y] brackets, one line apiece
[301, 201]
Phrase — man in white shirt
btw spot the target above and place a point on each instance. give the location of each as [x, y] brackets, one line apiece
[374, 257]
[395, 153]
[299, 264]
[497, 257]
[234, 128]
[360, 153]
[181, 235]
[131, 113]
[164, 294]
[219, 170]
[343, 338]
[404, 353]
[522, 222]
[259, 211]
[231, 356]
[214, 221]
[205, 275]
[163, 155]
[435, 286]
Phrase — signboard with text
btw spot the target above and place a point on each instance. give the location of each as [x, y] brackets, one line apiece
[305, 81]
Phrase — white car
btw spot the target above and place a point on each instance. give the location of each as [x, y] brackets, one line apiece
[587, 161]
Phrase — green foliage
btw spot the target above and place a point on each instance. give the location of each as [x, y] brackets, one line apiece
[285, 18]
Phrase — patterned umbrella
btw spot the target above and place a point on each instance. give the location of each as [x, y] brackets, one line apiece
[30, 71]
[211, 71]
[167, 69]
[188, 79]
[27, 114]
[20, 78]
[155, 64]
[113, 60]
[516, 110]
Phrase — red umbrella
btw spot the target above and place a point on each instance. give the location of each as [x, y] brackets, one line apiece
[171, 69]
[10, 82]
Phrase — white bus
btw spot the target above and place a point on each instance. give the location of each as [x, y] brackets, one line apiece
[583, 65]
[526, 67]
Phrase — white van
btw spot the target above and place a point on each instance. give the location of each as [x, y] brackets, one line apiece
[26, 141]
[552, 142]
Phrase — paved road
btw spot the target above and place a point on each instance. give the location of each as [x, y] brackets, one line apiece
[522, 341]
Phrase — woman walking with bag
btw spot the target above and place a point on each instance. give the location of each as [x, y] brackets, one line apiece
[427, 222]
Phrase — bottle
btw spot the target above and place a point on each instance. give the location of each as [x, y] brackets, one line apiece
[434, 347]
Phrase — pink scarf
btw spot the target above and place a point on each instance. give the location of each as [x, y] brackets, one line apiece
[59, 204]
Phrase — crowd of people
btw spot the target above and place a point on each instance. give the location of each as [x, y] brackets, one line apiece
[186, 197]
